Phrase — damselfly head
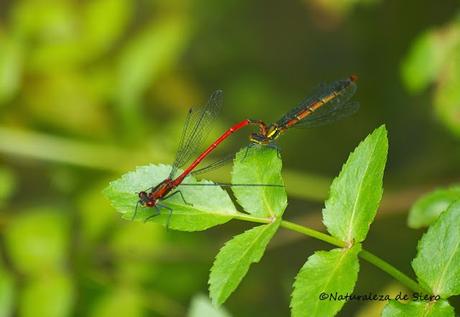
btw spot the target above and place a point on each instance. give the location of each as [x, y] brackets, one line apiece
[353, 77]
[143, 198]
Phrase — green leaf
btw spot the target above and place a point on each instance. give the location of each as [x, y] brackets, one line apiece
[37, 241]
[437, 263]
[326, 272]
[259, 165]
[233, 261]
[356, 192]
[422, 309]
[202, 306]
[447, 95]
[211, 205]
[427, 209]
[50, 295]
[424, 61]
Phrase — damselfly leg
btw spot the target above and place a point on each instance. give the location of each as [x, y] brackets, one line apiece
[135, 210]
[156, 213]
[181, 195]
[168, 220]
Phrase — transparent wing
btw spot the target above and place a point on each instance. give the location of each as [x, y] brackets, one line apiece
[328, 103]
[334, 113]
[214, 165]
[197, 126]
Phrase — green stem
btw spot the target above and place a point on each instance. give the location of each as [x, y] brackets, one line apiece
[390, 269]
[312, 233]
[246, 217]
[365, 255]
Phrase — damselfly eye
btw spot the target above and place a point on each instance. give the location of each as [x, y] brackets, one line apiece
[142, 195]
[150, 203]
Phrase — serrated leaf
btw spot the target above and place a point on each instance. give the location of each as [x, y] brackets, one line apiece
[259, 165]
[437, 263]
[201, 306]
[210, 205]
[233, 261]
[418, 309]
[355, 194]
[325, 272]
[427, 209]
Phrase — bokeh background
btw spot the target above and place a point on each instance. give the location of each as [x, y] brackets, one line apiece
[90, 89]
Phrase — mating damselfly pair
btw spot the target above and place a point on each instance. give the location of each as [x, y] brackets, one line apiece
[328, 103]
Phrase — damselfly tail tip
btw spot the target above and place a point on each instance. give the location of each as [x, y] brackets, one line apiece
[353, 77]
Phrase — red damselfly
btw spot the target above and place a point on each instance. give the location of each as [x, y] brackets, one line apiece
[327, 104]
[196, 128]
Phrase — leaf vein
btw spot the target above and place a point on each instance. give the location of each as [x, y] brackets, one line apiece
[355, 203]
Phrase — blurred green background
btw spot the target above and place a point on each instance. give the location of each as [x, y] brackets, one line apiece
[91, 89]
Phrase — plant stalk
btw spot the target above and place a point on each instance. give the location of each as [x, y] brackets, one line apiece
[364, 254]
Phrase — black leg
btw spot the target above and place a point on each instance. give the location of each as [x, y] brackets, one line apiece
[135, 211]
[276, 147]
[181, 195]
[157, 213]
[250, 145]
[169, 215]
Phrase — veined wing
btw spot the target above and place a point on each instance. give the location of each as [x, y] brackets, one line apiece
[197, 126]
[328, 103]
